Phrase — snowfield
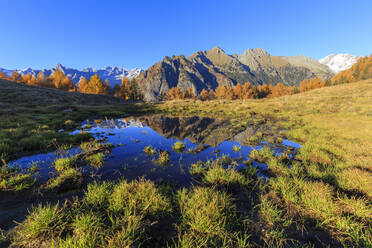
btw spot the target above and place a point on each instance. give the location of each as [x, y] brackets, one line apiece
[339, 62]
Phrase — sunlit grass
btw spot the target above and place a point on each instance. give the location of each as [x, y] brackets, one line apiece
[179, 146]
[67, 179]
[61, 164]
[96, 160]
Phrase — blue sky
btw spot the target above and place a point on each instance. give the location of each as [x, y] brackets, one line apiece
[138, 33]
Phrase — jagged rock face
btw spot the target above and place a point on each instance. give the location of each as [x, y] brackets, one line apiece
[181, 72]
[210, 69]
[288, 70]
[225, 64]
[171, 72]
[261, 64]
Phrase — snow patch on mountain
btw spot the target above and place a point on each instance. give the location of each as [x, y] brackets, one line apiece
[339, 62]
[114, 75]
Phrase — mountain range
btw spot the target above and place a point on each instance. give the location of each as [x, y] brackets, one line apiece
[339, 62]
[212, 68]
[113, 74]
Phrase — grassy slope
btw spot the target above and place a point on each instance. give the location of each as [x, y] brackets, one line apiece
[30, 116]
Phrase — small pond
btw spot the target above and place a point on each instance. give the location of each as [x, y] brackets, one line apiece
[204, 139]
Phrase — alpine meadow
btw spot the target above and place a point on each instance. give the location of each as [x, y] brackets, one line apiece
[225, 147]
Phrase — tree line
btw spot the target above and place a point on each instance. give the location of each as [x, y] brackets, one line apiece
[239, 91]
[94, 85]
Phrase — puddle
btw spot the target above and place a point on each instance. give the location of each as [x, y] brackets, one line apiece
[204, 139]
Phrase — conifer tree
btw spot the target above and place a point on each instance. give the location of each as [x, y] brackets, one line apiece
[15, 76]
[204, 95]
[189, 93]
[175, 93]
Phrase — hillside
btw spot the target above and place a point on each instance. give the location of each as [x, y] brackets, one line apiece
[14, 94]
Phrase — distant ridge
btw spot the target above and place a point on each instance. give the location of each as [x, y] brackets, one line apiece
[113, 74]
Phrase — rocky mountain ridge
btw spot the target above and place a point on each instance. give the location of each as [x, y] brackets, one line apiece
[212, 68]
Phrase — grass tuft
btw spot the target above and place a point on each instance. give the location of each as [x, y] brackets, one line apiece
[96, 160]
[149, 150]
[179, 146]
[61, 164]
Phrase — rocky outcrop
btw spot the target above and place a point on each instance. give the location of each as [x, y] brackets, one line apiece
[178, 71]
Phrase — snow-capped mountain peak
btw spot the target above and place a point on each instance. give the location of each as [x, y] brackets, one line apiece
[339, 62]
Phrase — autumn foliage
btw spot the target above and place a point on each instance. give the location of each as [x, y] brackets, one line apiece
[127, 90]
[175, 93]
[237, 92]
[95, 86]
[2, 75]
[61, 81]
[57, 80]
[310, 84]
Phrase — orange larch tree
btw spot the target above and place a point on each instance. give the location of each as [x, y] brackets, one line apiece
[175, 93]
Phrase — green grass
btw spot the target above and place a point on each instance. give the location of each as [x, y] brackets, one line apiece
[97, 194]
[141, 197]
[14, 178]
[216, 174]
[90, 146]
[237, 148]
[96, 160]
[62, 164]
[108, 215]
[149, 150]
[207, 213]
[262, 155]
[163, 158]
[67, 179]
[43, 222]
